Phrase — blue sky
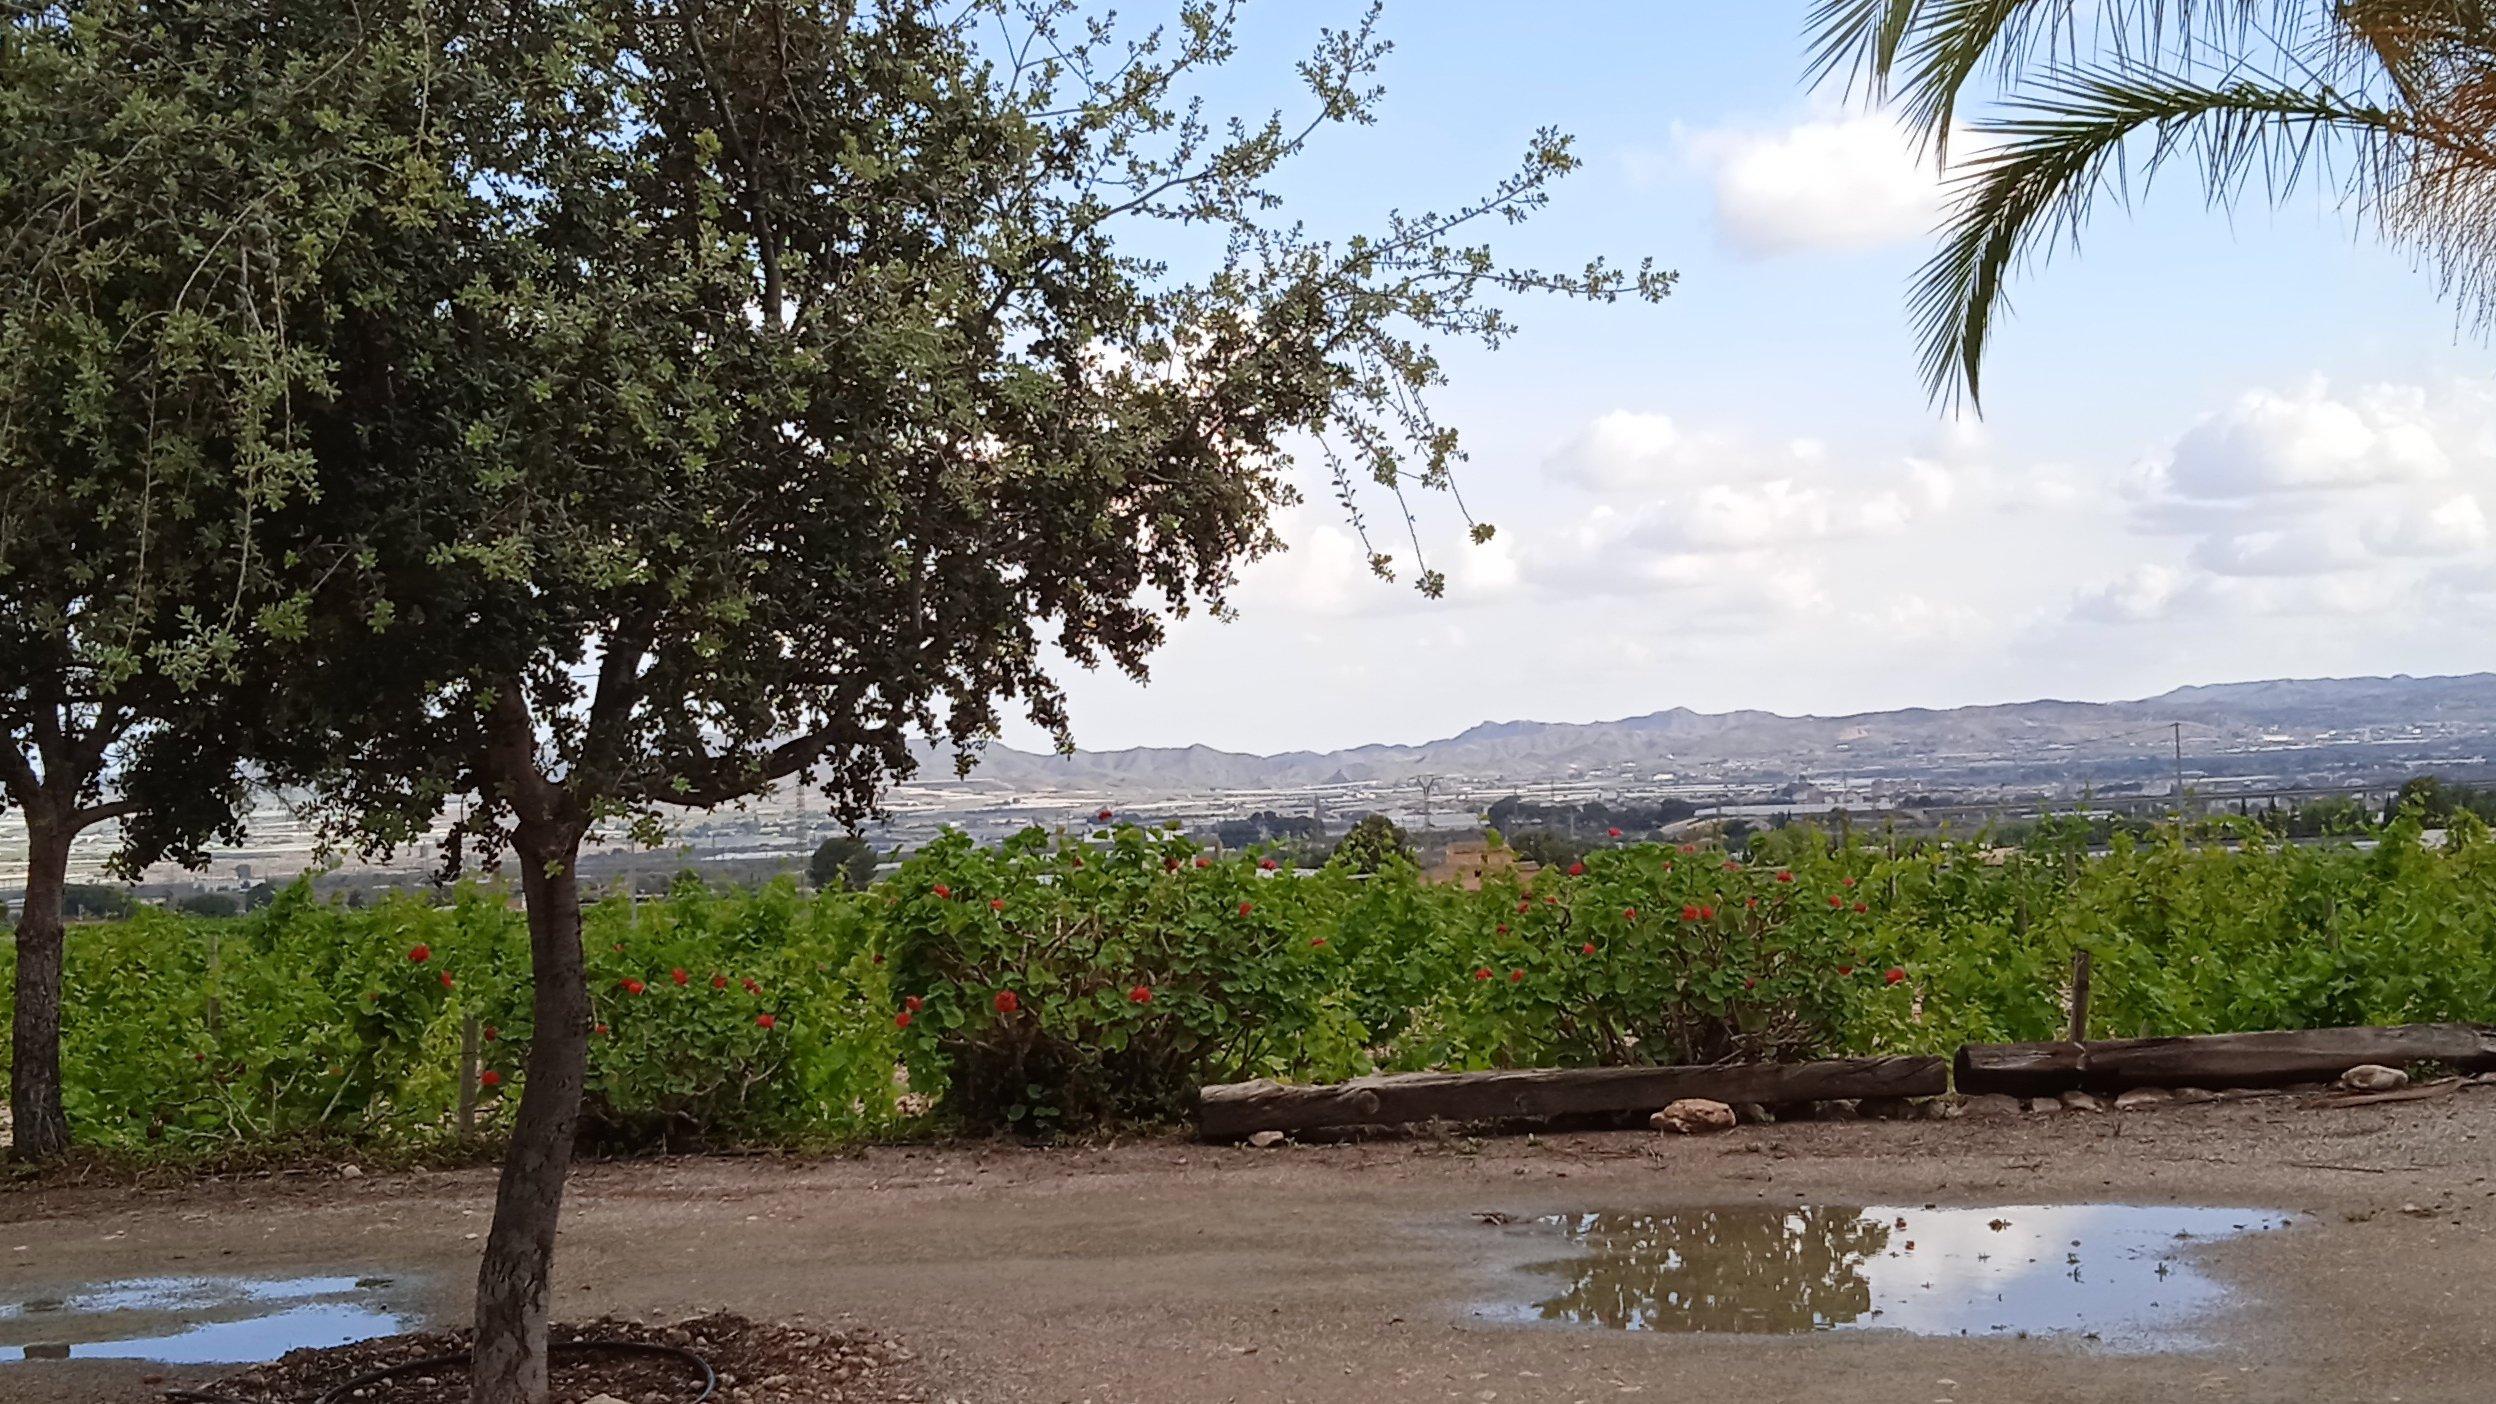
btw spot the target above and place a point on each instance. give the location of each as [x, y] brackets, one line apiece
[2216, 446]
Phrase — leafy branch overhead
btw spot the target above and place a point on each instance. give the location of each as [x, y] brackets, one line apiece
[2391, 101]
[803, 376]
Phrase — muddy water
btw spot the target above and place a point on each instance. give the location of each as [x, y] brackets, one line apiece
[2122, 1274]
[201, 1320]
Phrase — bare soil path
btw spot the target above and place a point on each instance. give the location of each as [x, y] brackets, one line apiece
[1169, 1271]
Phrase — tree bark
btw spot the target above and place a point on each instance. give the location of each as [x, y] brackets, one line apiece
[41, 1127]
[2268, 1059]
[515, 1280]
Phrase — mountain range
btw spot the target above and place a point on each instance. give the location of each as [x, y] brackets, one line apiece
[2226, 716]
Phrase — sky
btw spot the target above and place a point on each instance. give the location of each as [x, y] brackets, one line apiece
[2216, 446]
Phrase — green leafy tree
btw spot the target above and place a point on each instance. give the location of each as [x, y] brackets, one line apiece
[761, 384]
[2396, 98]
[843, 862]
[173, 176]
[1373, 843]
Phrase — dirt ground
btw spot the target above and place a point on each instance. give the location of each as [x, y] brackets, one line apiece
[1169, 1271]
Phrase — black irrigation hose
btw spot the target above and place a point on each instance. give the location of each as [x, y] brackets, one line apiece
[337, 1393]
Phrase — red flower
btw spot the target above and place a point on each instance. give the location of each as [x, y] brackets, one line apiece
[1845, 882]
[1316, 941]
[631, 986]
[489, 1078]
[1689, 848]
[1629, 913]
[1077, 859]
[913, 1003]
[1577, 870]
[491, 1033]
[1502, 928]
[598, 1029]
[1482, 974]
[1268, 864]
[766, 1021]
[941, 890]
[1893, 975]
[1690, 913]
[1750, 901]
[1611, 833]
[1006, 1002]
[902, 1020]
[750, 987]
[1836, 901]
[1784, 876]
[1845, 970]
[719, 982]
[996, 904]
[420, 954]
[1525, 906]
[1751, 983]
[1203, 862]
[1141, 994]
[1516, 977]
[446, 979]
[1707, 913]
[1169, 865]
[1106, 815]
[1246, 907]
[1587, 949]
[1732, 866]
[679, 976]
[1861, 907]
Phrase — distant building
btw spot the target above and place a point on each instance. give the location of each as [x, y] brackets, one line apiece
[1466, 862]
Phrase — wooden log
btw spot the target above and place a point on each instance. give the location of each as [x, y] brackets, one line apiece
[1230, 1110]
[2273, 1059]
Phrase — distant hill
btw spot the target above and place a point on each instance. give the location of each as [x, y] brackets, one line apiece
[2219, 716]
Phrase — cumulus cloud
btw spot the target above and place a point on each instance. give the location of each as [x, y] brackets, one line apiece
[1631, 449]
[1827, 182]
[2267, 442]
[2453, 527]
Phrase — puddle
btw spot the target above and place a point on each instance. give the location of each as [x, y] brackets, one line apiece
[202, 1320]
[2122, 1274]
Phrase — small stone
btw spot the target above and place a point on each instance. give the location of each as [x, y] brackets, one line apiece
[1753, 1114]
[2140, 1097]
[1949, 1108]
[2039, 1105]
[2373, 1077]
[1841, 1109]
[1692, 1116]
[350, 1172]
[602, 1399]
[2080, 1101]
[1265, 1139]
[2185, 1095]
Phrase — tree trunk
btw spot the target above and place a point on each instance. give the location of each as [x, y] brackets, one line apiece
[514, 1281]
[41, 1127]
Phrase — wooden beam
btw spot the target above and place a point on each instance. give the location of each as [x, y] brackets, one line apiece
[2271, 1059]
[1237, 1109]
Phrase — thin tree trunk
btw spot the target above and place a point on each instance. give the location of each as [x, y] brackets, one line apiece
[514, 1282]
[41, 1127]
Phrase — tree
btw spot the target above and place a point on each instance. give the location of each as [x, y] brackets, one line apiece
[763, 383]
[1373, 843]
[843, 862]
[2398, 97]
[174, 174]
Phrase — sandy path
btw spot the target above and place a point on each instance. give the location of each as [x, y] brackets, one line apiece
[1166, 1271]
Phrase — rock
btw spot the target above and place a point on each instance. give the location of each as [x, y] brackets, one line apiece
[1949, 1108]
[1693, 1116]
[2373, 1077]
[1886, 1109]
[2186, 1095]
[1841, 1109]
[1989, 1105]
[2140, 1097]
[1263, 1140]
[2080, 1101]
[1753, 1114]
[2040, 1105]
[602, 1399]
[350, 1172]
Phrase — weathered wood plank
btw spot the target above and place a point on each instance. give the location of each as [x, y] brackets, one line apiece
[2269, 1059]
[1239, 1108]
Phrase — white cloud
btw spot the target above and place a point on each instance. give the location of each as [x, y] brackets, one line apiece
[1631, 449]
[2311, 550]
[2313, 440]
[2456, 526]
[2140, 594]
[1841, 182]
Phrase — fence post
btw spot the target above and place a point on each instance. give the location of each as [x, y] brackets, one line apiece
[2079, 996]
[468, 1076]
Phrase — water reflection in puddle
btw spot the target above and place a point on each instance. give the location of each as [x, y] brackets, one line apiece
[2113, 1272]
[201, 1320]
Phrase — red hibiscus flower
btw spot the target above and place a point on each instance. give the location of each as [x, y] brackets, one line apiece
[631, 986]
[766, 1021]
[1482, 974]
[1268, 864]
[489, 1078]
[1893, 975]
[1587, 949]
[913, 1003]
[1006, 1002]
[679, 975]
[420, 954]
[1611, 833]
[902, 1020]
[1141, 994]
[941, 890]
[1577, 870]
[1516, 977]
[1690, 913]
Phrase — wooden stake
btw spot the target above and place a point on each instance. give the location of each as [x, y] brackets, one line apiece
[2079, 996]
